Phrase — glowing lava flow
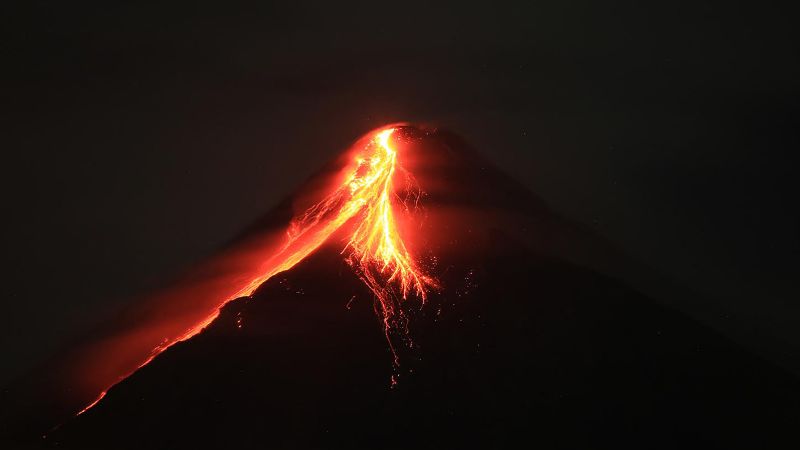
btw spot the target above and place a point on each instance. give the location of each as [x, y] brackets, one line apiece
[367, 191]
[375, 249]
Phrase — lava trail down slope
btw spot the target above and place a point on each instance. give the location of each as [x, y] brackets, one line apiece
[520, 338]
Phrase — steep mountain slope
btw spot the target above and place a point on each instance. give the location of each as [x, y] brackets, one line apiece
[523, 339]
[523, 349]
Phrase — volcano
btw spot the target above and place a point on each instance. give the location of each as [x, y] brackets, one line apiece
[455, 311]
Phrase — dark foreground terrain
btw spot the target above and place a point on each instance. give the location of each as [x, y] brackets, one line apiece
[529, 351]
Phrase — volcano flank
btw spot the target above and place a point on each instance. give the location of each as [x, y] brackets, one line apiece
[526, 335]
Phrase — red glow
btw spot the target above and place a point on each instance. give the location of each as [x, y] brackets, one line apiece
[364, 198]
[90, 405]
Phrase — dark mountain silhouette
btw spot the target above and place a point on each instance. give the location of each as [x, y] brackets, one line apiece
[522, 346]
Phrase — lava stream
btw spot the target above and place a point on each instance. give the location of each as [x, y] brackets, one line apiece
[375, 249]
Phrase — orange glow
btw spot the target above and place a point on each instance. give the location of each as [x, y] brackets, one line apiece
[368, 192]
[89, 406]
[365, 199]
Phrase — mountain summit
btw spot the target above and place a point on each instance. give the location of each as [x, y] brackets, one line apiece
[428, 303]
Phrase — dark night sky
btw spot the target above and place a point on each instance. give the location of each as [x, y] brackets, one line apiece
[138, 139]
